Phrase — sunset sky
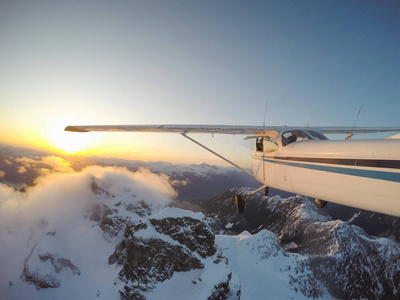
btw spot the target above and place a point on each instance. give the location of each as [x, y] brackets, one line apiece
[192, 62]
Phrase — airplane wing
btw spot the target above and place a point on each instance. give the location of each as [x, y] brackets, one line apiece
[225, 129]
[348, 130]
[220, 129]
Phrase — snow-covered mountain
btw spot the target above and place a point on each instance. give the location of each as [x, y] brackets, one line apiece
[124, 241]
[86, 231]
[350, 263]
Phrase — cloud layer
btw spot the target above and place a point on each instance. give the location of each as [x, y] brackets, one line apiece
[59, 202]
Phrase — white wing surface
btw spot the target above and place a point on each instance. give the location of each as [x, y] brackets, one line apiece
[221, 129]
[225, 129]
[348, 130]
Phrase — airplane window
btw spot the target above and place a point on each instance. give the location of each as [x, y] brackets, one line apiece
[259, 144]
[294, 136]
[270, 144]
[266, 144]
[317, 135]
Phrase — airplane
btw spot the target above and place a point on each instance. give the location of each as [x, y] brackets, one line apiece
[302, 160]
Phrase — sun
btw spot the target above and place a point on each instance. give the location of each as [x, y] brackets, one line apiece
[68, 142]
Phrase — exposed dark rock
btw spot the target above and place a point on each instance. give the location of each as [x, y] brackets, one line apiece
[189, 232]
[146, 261]
[97, 188]
[223, 290]
[42, 279]
[304, 282]
[59, 263]
[141, 208]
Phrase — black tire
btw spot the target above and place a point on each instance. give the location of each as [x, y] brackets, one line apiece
[239, 203]
[320, 203]
[266, 191]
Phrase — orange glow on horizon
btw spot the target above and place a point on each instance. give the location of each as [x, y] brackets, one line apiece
[69, 143]
[54, 137]
[49, 135]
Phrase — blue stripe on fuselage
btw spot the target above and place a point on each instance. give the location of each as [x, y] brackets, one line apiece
[380, 175]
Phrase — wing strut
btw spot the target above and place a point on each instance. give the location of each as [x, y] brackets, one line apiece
[259, 189]
[215, 153]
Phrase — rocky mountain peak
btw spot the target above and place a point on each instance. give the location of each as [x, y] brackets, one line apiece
[136, 246]
[342, 256]
[152, 250]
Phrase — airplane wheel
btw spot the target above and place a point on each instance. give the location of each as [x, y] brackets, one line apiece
[239, 203]
[266, 191]
[320, 203]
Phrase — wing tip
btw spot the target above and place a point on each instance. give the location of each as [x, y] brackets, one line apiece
[74, 129]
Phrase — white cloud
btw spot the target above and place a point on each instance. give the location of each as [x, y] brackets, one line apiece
[22, 170]
[2, 174]
[57, 163]
[58, 202]
[44, 165]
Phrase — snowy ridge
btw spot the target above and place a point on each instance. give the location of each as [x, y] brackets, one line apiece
[259, 256]
[174, 212]
[116, 239]
[342, 256]
[106, 233]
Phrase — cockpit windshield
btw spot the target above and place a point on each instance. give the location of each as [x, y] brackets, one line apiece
[300, 135]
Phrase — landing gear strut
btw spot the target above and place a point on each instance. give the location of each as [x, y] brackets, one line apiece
[240, 203]
[320, 203]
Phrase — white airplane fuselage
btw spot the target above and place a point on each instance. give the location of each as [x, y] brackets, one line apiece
[358, 173]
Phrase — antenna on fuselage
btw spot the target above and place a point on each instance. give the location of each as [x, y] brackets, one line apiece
[354, 124]
[265, 113]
